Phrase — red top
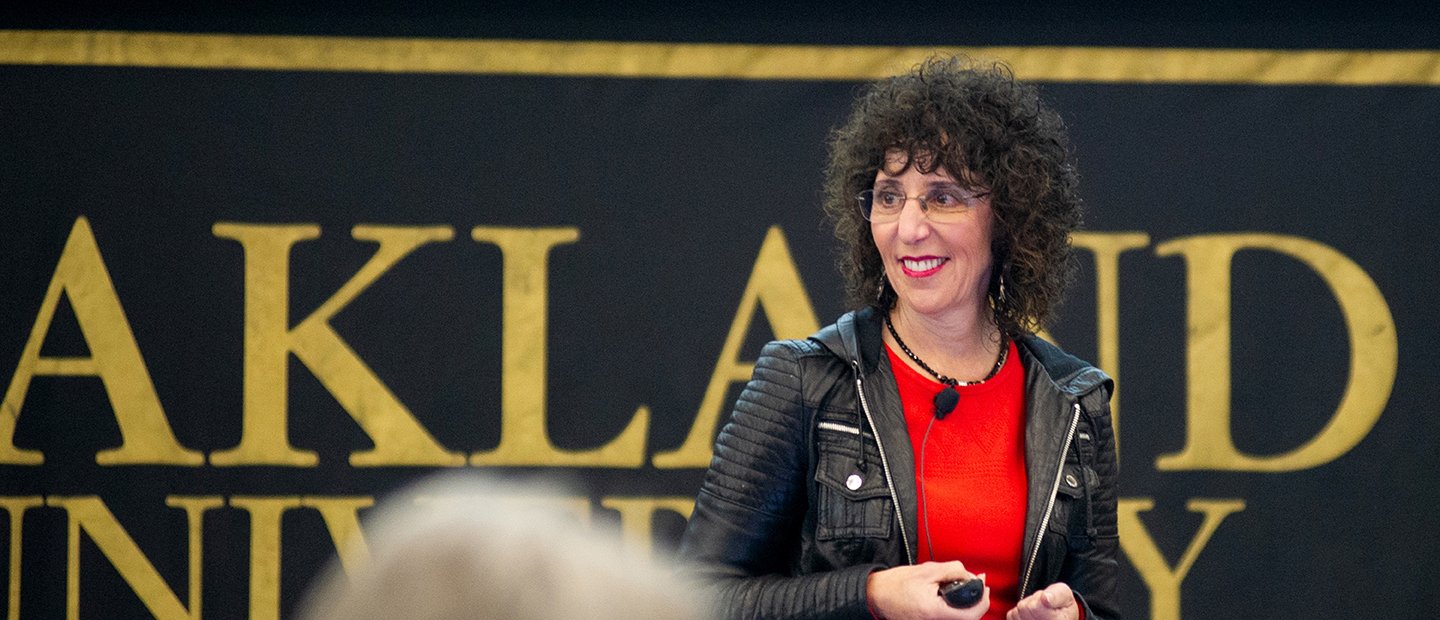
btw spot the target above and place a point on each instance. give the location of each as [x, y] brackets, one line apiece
[972, 474]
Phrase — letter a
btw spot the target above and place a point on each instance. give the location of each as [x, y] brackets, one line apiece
[774, 285]
[146, 438]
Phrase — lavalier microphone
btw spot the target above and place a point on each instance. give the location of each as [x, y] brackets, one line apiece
[945, 401]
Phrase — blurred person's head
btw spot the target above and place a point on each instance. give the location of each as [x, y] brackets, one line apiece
[469, 547]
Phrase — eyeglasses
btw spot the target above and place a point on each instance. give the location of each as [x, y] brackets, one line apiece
[940, 204]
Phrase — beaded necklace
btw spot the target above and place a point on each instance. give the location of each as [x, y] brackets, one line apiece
[946, 400]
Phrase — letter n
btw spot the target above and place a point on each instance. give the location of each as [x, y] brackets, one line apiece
[88, 514]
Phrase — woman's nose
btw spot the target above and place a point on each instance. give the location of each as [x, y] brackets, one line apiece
[914, 226]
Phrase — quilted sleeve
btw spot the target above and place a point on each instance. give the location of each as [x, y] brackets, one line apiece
[744, 532]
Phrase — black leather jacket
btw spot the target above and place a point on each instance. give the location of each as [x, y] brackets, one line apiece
[778, 533]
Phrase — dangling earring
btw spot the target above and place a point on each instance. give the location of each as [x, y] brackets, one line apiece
[999, 291]
[880, 290]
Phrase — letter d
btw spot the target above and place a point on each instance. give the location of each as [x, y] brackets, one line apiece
[1373, 354]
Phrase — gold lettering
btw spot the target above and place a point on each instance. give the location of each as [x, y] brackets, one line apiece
[80, 274]
[398, 437]
[341, 520]
[523, 438]
[1107, 248]
[16, 507]
[637, 517]
[265, 514]
[1139, 546]
[1373, 354]
[195, 508]
[89, 514]
[774, 285]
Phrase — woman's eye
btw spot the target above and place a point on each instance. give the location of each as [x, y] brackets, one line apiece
[890, 199]
[946, 199]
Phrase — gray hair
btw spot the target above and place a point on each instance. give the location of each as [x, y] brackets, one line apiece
[461, 547]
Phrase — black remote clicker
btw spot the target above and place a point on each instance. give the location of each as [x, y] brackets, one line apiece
[963, 594]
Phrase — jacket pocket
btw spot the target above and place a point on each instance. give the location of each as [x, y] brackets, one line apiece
[1071, 517]
[850, 503]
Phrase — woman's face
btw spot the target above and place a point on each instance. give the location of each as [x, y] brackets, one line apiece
[940, 270]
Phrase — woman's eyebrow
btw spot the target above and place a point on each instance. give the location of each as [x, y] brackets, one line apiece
[956, 185]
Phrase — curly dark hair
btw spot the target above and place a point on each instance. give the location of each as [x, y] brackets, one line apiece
[991, 133]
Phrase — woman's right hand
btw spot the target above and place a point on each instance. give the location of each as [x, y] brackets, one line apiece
[907, 592]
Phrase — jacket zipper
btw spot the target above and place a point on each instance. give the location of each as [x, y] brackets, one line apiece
[1050, 504]
[840, 428]
[885, 463]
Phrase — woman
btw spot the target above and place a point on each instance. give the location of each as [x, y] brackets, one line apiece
[928, 437]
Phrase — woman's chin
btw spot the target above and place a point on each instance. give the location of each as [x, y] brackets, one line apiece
[928, 305]
[940, 303]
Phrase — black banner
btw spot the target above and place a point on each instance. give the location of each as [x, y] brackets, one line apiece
[248, 296]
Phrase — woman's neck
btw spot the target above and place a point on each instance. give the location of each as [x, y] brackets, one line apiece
[959, 345]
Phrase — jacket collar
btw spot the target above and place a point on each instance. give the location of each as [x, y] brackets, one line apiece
[1066, 373]
[856, 338]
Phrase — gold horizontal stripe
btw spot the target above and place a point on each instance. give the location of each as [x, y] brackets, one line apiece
[706, 60]
[66, 366]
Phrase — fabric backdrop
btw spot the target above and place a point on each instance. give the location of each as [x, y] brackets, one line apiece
[254, 282]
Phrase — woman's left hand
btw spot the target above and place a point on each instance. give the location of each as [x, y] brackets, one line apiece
[1055, 602]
